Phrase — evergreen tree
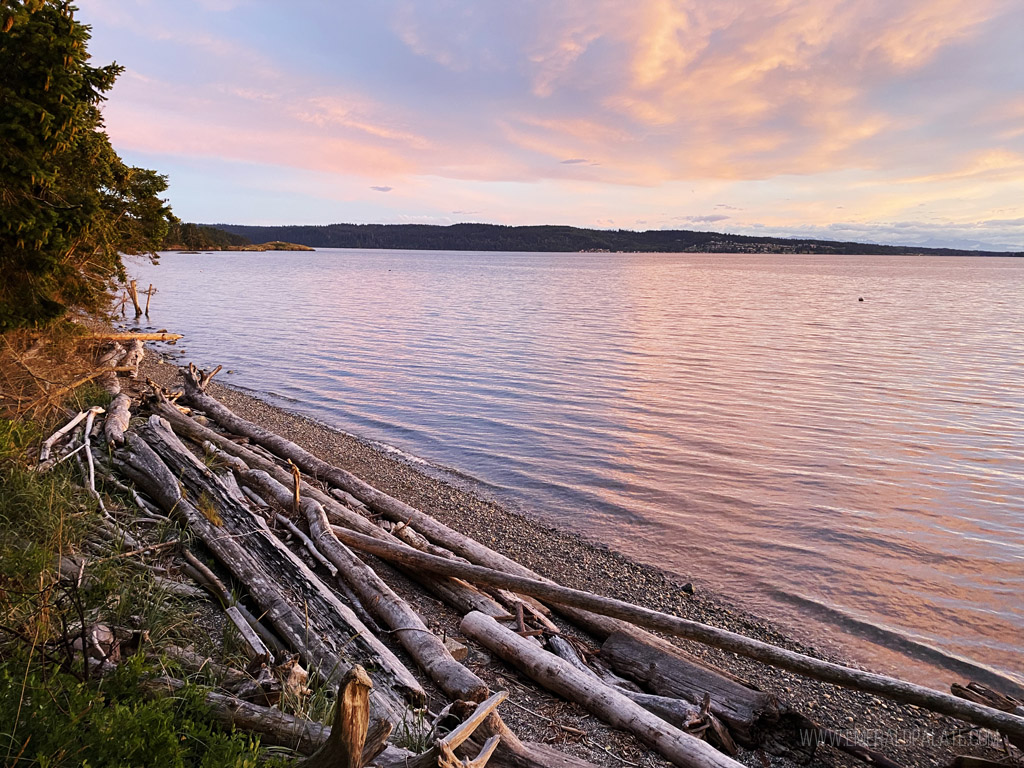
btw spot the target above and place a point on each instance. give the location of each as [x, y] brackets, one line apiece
[69, 206]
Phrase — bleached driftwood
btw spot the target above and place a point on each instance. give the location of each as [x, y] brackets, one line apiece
[848, 677]
[459, 595]
[687, 717]
[458, 543]
[420, 643]
[48, 443]
[118, 418]
[159, 336]
[274, 727]
[747, 712]
[307, 615]
[557, 675]
[133, 358]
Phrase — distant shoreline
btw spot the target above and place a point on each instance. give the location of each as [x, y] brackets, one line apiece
[276, 245]
[565, 239]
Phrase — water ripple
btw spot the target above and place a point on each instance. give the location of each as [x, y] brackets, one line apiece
[851, 466]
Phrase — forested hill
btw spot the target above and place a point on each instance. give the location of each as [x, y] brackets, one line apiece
[494, 237]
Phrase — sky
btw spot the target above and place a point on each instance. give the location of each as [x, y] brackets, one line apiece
[887, 121]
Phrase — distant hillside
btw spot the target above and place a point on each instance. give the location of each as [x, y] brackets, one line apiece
[184, 236]
[495, 237]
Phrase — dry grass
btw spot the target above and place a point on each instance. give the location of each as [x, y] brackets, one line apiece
[41, 371]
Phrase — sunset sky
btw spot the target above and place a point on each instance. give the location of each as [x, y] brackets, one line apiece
[897, 121]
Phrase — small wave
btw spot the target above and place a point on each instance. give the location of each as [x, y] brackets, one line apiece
[917, 648]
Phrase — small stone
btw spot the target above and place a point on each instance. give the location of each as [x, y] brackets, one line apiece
[458, 651]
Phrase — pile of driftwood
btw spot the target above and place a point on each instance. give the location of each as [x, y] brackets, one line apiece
[249, 496]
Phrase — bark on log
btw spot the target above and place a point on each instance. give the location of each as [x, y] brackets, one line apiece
[837, 674]
[118, 418]
[557, 675]
[674, 711]
[747, 712]
[459, 595]
[422, 645]
[309, 617]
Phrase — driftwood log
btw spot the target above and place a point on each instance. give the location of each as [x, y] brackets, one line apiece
[420, 643]
[274, 727]
[159, 336]
[674, 711]
[459, 544]
[306, 615]
[118, 417]
[557, 675]
[745, 711]
[848, 677]
[459, 595]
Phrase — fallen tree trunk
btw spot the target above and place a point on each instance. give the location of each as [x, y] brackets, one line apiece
[674, 711]
[459, 595]
[837, 674]
[162, 336]
[307, 616]
[422, 645]
[274, 727]
[465, 547]
[557, 675]
[136, 351]
[745, 711]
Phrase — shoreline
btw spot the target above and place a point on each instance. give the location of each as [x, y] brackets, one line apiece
[570, 559]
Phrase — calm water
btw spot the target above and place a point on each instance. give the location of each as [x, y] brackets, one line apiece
[852, 468]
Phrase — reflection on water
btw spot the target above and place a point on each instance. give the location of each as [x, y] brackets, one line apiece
[745, 420]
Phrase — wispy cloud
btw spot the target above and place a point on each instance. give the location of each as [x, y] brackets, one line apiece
[591, 110]
[381, 189]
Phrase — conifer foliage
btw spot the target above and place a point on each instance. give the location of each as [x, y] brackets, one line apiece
[69, 206]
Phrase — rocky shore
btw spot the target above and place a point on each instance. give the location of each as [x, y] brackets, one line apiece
[908, 735]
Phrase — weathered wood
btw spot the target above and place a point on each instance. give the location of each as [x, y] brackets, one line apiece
[513, 753]
[747, 712]
[307, 616]
[87, 440]
[118, 418]
[161, 336]
[48, 443]
[395, 510]
[426, 649]
[683, 715]
[559, 676]
[132, 360]
[457, 594]
[837, 674]
[256, 646]
[133, 292]
[344, 746]
[274, 727]
[111, 357]
[378, 501]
